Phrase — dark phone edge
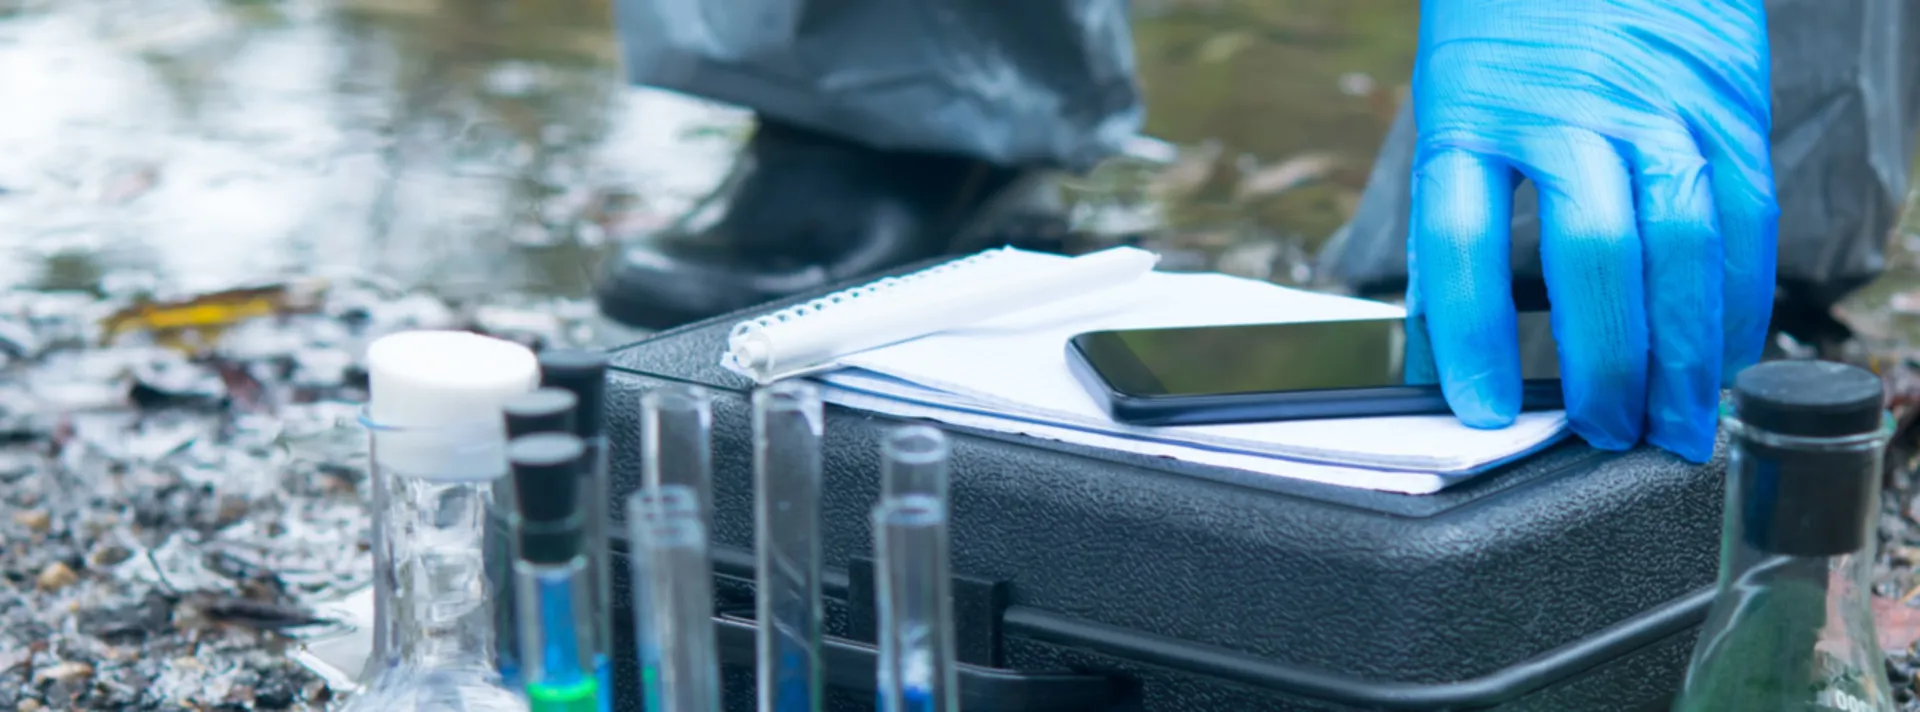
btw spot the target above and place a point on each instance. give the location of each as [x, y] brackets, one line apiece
[1220, 409]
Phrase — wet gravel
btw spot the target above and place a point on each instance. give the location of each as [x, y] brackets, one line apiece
[174, 505]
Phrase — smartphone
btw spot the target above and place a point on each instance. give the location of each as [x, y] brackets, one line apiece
[1266, 372]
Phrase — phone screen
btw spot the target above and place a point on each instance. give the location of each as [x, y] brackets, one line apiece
[1264, 358]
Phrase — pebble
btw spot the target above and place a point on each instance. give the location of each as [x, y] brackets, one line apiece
[66, 672]
[56, 576]
[108, 555]
[37, 521]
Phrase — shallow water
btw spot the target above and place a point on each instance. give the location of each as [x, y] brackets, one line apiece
[474, 145]
[464, 146]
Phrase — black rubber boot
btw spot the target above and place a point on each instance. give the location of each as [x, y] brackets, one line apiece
[802, 210]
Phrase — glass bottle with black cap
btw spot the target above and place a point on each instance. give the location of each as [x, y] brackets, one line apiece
[1791, 629]
[543, 410]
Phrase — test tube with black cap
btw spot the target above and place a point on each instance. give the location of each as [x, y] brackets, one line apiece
[584, 374]
[552, 576]
[1792, 625]
[544, 410]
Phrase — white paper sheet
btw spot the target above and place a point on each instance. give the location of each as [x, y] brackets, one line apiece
[1011, 375]
[1398, 481]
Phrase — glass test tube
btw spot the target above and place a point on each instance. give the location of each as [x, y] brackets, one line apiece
[786, 465]
[916, 620]
[552, 575]
[913, 460]
[544, 410]
[675, 442]
[584, 374]
[557, 636]
[596, 496]
[432, 490]
[916, 670]
[679, 573]
[643, 506]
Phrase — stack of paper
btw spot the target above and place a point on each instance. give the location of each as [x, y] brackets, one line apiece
[1011, 375]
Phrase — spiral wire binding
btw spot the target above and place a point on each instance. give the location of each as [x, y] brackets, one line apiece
[867, 291]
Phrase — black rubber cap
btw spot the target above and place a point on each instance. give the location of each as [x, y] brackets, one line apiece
[553, 542]
[1809, 398]
[584, 373]
[545, 410]
[546, 475]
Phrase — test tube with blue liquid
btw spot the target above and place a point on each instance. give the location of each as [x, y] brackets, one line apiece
[584, 374]
[786, 463]
[554, 584]
[916, 669]
[669, 498]
[545, 410]
[676, 469]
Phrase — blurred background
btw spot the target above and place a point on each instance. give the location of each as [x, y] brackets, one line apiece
[473, 146]
[482, 146]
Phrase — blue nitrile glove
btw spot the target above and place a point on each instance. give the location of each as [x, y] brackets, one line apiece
[1643, 125]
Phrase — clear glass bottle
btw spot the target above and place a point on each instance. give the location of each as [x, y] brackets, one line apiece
[1791, 629]
[434, 620]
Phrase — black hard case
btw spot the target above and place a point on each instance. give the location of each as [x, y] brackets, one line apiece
[1092, 580]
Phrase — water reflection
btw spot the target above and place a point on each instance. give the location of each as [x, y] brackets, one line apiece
[465, 145]
[489, 145]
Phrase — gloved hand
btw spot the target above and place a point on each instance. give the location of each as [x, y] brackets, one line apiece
[1643, 124]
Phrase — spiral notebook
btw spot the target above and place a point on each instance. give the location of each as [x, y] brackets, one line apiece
[1006, 371]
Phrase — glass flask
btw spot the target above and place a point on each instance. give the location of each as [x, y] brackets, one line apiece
[1791, 629]
[432, 492]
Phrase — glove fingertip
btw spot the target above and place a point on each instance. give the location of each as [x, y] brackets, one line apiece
[1483, 404]
[1692, 444]
[1480, 418]
[1603, 439]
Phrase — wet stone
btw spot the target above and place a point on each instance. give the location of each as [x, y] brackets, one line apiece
[128, 624]
[56, 576]
[34, 520]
